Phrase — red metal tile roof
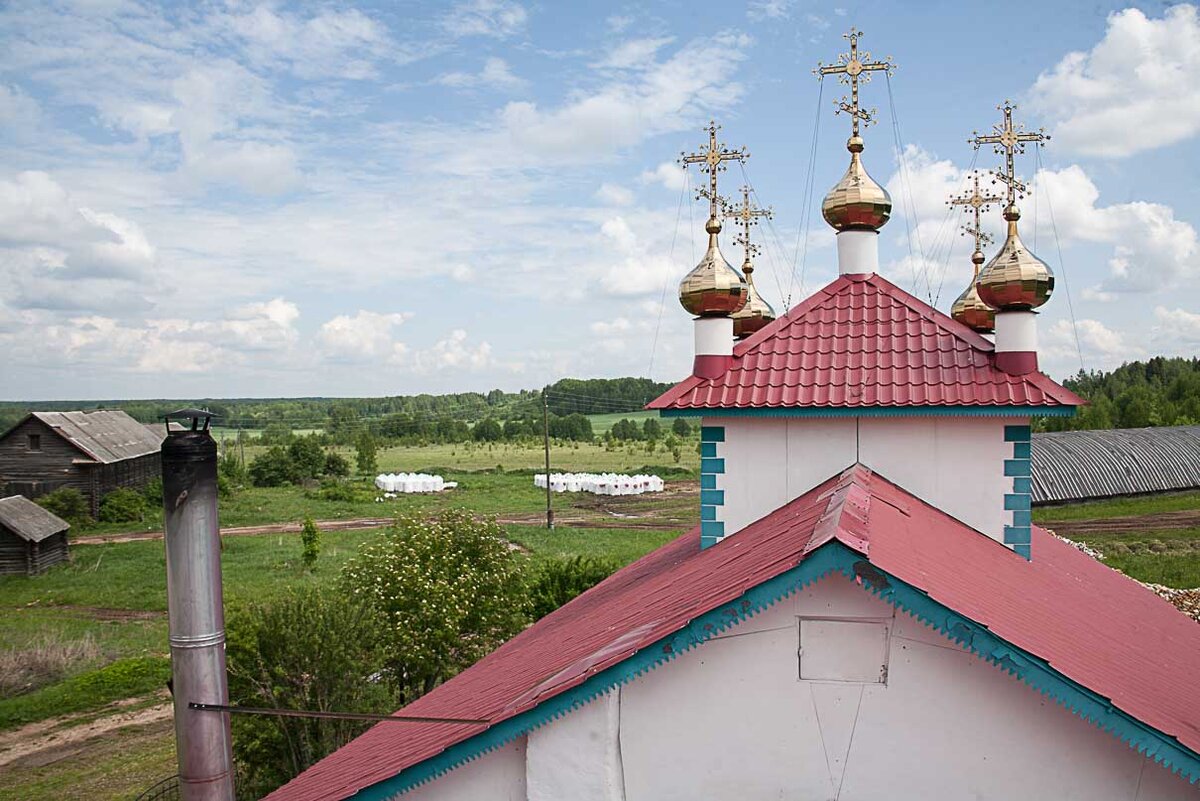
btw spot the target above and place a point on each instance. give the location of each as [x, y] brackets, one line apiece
[1091, 623]
[860, 342]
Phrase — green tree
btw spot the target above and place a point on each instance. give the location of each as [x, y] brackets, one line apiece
[69, 504]
[123, 506]
[557, 581]
[272, 469]
[487, 430]
[336, 465]
[308, 649]
[310, 540]
[308, 457]
[449, 589]
[651, 429]
[365, 454]
[275, 434]
[681, 428]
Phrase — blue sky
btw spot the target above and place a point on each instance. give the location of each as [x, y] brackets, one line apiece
[263, 199]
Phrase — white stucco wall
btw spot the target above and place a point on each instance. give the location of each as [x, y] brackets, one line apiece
[733, 719]
[496, 776]
[954, 463]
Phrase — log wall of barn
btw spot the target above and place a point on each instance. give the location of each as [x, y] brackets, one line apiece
[32, 473]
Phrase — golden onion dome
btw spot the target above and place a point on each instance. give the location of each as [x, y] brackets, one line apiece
[713, 288]
[969, 309]
[1015, 279]
[856, 203]
[756, 313]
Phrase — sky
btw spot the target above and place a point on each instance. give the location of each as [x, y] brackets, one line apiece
[234, 199]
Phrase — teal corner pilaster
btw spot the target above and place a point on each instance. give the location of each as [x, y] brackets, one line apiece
[712, 529]
[1019, 502]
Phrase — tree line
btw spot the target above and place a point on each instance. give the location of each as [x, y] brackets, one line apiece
[1156, 392]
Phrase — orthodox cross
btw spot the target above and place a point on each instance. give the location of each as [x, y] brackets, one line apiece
[975, 202]
[1009, 140]
[851, 68]
[747, 214]
[712, 161]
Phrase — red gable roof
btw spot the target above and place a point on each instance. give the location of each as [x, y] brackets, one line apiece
[1090, 623]
[863, 342]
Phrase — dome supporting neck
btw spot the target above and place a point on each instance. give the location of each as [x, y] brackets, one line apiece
[858, 252]
[714, 346]
[1016, 342]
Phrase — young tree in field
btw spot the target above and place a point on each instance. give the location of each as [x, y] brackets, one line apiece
[448, 588]
[272, 469]
[336, 465]
[681, 428]
[308, 649]
[487, 430]
[307, 455]
[365, 454]
[310, 539]
[651, 429]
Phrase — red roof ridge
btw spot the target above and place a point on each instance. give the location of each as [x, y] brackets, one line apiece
[847, 514]
[861, 342]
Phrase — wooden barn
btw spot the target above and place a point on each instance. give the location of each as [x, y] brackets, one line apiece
[31, 538]
[94, 452]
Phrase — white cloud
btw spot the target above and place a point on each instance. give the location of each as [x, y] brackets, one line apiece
[614, 195]
[496, 18]
[1151, 249]
[634, 53]
[769, 9]
[634, 267]
[1102, 347]
[618, 23]
[453, 352]
[18, 111]
[668, 174]
[495, 74]
[1137, 89]
[1177, 330]
[57, 253]
[343, 44]
[367, 336]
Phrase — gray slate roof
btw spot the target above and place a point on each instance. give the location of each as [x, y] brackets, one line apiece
[29, 521]
[1076, 465]
[105, 436]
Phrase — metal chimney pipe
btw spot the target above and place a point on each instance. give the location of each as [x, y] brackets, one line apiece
[195, 609]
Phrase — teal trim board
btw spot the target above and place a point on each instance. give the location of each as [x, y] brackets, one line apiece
[875, 411]
[1020, 501]
[711, 465]
[829, 558]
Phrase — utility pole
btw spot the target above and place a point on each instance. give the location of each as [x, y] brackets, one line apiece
[546, 437]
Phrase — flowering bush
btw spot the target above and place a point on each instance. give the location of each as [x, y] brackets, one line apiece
[449, 589]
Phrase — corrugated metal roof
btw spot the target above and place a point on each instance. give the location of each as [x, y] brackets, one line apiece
[863, 342]
[29, 521]
[106, 436]
[1077, 465]
[1092, 624]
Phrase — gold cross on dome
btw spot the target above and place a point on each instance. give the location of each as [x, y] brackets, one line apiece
[1009, 140]
[851, 68]
[975, 202]
[712, 161]
[747, 214]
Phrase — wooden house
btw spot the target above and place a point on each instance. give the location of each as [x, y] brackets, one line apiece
[94, 452]
[31, 538]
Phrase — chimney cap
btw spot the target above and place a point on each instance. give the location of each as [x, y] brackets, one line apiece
[200, 418]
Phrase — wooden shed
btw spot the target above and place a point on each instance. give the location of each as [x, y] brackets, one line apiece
[31, 538]
[94, 452]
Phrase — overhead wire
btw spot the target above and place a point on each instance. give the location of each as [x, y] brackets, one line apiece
[911, 228]
[1062, 265]
[662, 300]
[805, 228]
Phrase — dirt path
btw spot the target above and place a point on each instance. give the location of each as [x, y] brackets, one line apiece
[47, 740]
[1139, 524]
[243, 531]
